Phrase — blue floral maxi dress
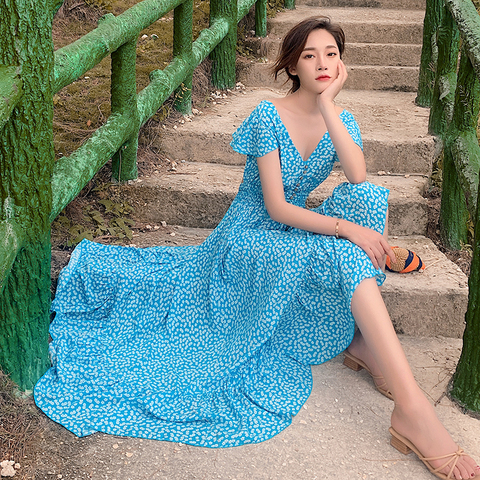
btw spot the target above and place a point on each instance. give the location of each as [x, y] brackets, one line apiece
[211, 345]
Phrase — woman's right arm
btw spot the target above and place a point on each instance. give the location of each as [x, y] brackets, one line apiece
[372, 242]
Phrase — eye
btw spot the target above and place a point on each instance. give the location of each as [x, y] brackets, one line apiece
[308, 55]
[332, 54]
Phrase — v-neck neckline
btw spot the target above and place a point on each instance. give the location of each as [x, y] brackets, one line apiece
[290, 138]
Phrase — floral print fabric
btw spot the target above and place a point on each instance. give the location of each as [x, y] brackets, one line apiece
[211, 345]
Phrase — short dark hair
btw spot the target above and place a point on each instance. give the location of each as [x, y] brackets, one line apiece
[294, 43]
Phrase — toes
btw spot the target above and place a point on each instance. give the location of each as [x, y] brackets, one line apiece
[466, 469]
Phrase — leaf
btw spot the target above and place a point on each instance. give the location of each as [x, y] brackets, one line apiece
[63, 220]
[108, 204]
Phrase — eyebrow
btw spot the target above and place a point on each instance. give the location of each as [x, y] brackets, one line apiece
[312, 48]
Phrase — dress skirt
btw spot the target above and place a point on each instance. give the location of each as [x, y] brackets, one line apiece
[208, 345]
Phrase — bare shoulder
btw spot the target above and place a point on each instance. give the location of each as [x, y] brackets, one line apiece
[338, 109]
[279, 102]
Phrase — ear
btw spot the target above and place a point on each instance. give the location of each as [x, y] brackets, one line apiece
[291, 70]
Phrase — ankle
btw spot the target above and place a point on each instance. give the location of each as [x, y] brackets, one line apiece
[411, 399]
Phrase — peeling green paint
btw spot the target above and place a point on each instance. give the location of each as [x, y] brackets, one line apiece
[461, 158]
[26, 164]
[466, 381]
[182, 46]
[243, 7]
[164, 82]
[73, 60]
[468, 22]
[10, 91]
[448, 42]
[72, 173]
[124, 102]
[261, 18]
[12, 237]
[34, 189]
[461, 192]
[223, 55]
[429, 58]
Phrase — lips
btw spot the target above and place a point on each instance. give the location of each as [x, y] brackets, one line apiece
[323, 77]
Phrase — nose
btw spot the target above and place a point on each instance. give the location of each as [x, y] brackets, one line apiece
[322, 64]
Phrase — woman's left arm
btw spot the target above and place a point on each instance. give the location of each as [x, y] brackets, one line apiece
[349, 153]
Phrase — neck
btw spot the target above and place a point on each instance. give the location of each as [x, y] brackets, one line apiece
[305, 102]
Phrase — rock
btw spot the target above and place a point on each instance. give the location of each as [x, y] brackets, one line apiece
[8, 469]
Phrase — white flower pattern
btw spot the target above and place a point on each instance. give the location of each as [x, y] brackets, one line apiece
[210, 345]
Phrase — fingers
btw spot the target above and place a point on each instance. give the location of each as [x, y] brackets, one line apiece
[388, 250]
[377, 251]
[342, 71]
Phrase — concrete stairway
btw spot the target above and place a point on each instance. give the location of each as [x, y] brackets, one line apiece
[383, 53]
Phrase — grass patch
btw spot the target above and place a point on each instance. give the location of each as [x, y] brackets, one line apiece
[83, 106]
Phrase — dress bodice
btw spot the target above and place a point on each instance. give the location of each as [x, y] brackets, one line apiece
[263, 131]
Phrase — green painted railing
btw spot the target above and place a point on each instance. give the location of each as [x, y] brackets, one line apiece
[449, 83]
[34, 188]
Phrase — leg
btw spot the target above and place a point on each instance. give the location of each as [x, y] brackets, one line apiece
[359, 348]
[413, 415]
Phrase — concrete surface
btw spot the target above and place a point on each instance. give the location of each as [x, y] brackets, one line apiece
[384, 56]
[361, 25]
[199, 194]
[390, 4]
[341, 432]
[360, 77]
[394, 130]
[355, 53]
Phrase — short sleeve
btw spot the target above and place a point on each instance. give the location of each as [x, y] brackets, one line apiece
[353, 129]
[257, 135]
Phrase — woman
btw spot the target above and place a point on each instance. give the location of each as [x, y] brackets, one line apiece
[211, 345]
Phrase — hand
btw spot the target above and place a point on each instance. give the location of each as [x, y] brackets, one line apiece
[329, 94]
[370, 241]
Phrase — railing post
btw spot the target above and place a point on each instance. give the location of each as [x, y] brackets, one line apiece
[26, 163]
[290, 4]
[428, 63]
[466, 386]
[446, 78]
[261, 18]
[460, 158]
[182, 45]
[124, 102]
[224, 55]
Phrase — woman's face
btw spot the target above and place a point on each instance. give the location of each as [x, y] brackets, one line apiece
[317, 66]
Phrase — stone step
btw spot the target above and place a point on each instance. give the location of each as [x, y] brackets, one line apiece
[392, 54]
[361, 25]
[394, 130]
[428, 303]
[360, 77]
[199, 194]
[387, 4]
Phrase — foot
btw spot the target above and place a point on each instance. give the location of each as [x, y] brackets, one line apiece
[418, 423]
[359, 349]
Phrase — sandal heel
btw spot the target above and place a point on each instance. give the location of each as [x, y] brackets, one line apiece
[399, 445]
[352, 364]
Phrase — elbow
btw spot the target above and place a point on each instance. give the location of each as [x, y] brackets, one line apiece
[276, 212]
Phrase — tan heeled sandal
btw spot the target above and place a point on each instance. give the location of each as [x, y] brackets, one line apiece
[356, 365]
[405, 446]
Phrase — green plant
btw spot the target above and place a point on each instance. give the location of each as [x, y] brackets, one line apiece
[110, 222]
